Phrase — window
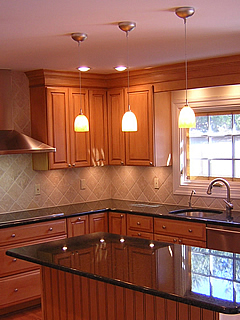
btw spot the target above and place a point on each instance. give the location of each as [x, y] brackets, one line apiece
[212, 149]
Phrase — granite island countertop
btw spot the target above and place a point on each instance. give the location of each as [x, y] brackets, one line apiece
[134, 207]
[200, 277]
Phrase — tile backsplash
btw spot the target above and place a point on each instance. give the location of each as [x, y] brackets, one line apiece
[59, 187]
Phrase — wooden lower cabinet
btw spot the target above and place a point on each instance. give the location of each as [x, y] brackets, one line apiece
[77, 226]
[19, 279]
[87, 299]
[140, 226]
[181, 232]
[98, 222]
[117, 223]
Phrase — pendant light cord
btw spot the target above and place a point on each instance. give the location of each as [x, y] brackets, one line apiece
[128, 69]
[186, 65]
[80, 78]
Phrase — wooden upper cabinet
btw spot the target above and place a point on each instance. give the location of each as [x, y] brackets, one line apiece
[98, 127]
[116, 143]
[58, 127]
[79, 141]
[139, 144]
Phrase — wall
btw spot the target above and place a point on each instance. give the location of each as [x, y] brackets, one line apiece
[59, 187]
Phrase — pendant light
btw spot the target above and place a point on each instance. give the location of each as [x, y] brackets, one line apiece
[129, 120]
[187, 117]
[81, 121]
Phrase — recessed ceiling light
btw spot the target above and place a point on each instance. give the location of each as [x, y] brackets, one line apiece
[120, 68]
[84, 69]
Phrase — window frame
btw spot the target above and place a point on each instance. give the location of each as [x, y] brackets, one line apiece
[210, 99]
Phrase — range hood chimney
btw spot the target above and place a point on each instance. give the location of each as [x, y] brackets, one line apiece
[11, 141]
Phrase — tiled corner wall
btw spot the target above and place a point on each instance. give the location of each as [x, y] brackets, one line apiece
[59, 187]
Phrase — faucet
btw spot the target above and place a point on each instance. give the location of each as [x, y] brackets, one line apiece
[190, 198]
[229, 205]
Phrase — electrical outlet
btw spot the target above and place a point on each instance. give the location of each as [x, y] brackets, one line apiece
[156, 183]
[82, 184]
[37, 189]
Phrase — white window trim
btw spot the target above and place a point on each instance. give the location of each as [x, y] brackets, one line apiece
[204, 99]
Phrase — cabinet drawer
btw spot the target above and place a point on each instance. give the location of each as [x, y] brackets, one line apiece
[16, 289]
[32, 231]
[180, 228]
[139, 223]
[10, 265]
[137, 234]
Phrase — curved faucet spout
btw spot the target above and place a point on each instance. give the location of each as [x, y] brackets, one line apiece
[229, 205]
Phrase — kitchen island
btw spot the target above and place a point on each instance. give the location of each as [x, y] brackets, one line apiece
[106, 276]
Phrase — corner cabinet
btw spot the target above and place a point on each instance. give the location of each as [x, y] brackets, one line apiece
[151, 144]
[53, 111]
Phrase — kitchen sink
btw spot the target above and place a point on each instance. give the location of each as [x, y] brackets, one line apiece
[196, 212]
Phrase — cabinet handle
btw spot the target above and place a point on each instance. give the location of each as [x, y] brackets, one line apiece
[164, 227]
[122, 163]
[150, 163]
[121, 215]
[189, 230]
[139, 234]
[14, 260]
[74, 164]
[69, 165]
[13, 235]
[16, 290]
[50, 229]
[180, 241]
[174, 240]
[138, 223]
[79, 219]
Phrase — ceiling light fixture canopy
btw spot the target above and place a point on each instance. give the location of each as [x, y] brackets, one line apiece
[187, 117]
[81, 123]
[129, 120]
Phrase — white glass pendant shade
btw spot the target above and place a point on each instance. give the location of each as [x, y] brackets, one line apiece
[187, 118]
[129, 121]
[81, 123]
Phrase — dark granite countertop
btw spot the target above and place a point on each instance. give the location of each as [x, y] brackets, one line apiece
[151, 209]
[201, 277]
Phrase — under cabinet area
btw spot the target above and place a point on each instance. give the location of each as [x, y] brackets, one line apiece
[181, 232]
[19, 279]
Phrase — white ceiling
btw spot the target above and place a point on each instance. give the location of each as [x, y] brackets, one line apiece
[35, 34]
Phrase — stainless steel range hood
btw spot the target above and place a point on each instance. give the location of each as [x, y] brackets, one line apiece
[11, 141]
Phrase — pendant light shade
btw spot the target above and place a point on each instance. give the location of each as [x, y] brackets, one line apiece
[187, 117]
[81, 121]
[129, 120]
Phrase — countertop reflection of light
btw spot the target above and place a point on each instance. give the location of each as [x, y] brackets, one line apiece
[151, 245]
[64, 248]
[122, 240]
[120, 68]
[102, 240]
[170, 251]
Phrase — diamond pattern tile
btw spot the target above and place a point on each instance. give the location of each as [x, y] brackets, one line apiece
[58, 187]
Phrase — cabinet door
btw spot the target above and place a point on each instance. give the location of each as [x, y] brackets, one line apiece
[139, 144]
[58, 127]
[77, 226]
[98, 127]
[80, 141]
[116, 142]
[117, 223]
[98, 222]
